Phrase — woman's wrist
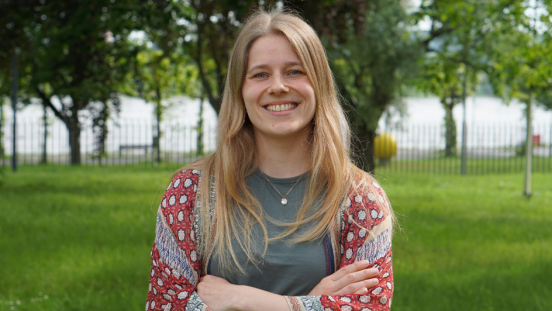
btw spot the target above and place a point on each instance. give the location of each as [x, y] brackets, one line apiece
[253, 299]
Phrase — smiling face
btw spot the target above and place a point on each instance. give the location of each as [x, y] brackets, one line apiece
[278, 95]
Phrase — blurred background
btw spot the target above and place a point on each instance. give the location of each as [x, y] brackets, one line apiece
[450, 103]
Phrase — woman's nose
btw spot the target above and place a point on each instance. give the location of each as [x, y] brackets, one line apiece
[278, 85]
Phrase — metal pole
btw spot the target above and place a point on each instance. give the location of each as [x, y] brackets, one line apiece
[15, 80]
[529, 148]
[2, 147]
[529, 142]
[464, 169]
[44, 159]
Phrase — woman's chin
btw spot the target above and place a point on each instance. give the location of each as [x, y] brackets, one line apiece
[281, 132]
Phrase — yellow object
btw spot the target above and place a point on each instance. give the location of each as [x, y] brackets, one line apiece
[385, 146]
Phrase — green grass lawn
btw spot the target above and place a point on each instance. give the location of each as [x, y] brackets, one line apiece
[79, 239]
[471, 242]
[474, 166]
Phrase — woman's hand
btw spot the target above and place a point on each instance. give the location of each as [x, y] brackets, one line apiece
[351, 279]
[217, 293]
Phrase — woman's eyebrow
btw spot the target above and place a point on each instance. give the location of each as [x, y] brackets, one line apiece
[260, 66]
[292, 63]
[286, 64]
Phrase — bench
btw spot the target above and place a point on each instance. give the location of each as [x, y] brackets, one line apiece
[134, 147]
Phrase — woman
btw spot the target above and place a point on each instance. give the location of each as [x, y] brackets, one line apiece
[278, 217]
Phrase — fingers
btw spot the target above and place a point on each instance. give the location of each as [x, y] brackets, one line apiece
[359, 287]
[372, 272]
[356, 277]
[357, 266]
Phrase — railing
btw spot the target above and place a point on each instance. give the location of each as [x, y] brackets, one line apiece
[126, 142]
[491, 148]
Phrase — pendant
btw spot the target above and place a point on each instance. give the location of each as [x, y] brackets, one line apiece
[284, 201]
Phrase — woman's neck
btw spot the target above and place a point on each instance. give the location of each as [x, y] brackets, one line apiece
[283, 157]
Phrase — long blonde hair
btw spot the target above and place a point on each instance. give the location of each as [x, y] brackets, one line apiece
[331, 168]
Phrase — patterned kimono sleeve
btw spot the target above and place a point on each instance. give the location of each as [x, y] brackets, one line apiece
[175, 266]
[365, 235]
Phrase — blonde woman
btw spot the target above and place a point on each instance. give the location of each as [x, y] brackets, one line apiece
[279, 217]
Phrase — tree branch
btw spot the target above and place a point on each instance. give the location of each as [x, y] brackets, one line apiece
[433, 34]
[46, 101]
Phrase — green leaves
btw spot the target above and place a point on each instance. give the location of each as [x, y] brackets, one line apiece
[522, 54]
[371, 70]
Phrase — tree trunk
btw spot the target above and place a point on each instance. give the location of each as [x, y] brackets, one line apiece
[99, 128]
[199, 142]
[450, 129]
[73, 126]
[157, 138]
[366, 153]
[214, 99]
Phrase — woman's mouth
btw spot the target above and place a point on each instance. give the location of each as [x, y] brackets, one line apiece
[280, 107]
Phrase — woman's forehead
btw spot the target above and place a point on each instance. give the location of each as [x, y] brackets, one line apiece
[270, 49]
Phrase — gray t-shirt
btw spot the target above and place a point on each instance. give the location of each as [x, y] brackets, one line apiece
[287, 268]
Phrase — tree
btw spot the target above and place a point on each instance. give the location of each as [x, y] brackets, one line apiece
[521, 57]
[442, 77]
[457, 44]
[522, 65]
[161, 67]
[159, 74]
[75, 51]
[371, 69]
[100, 111]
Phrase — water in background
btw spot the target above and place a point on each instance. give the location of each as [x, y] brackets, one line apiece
[480, 110]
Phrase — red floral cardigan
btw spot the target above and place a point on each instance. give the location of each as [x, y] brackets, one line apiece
[363, 229]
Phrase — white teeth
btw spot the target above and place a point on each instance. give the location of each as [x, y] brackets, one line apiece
[281, 107]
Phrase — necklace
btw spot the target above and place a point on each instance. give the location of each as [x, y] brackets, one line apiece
[284, 200]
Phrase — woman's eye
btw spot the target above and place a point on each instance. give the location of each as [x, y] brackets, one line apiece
[260, 75]
[295, 72]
